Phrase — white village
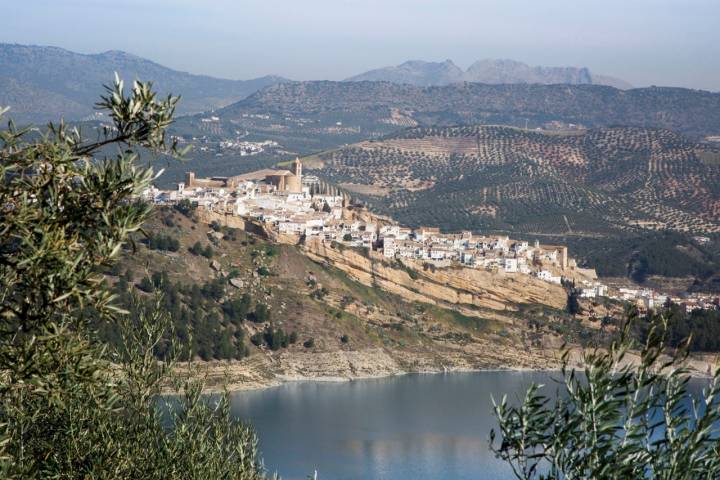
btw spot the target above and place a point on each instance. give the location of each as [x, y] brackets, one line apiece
[290, 207]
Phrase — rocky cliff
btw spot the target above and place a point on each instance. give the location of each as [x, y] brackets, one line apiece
[463, 288]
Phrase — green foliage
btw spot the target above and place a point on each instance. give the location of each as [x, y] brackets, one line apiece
[700, 325]
[319, 293]
[261, 314]
[238, 308]
[186, 207]
[198, 249]
[617, 419]
[274, 338]
[216, 327]
[639, 255]
[573, 305]
[162, 242]
[146, 285]
[71, 407]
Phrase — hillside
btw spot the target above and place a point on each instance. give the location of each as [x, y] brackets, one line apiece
[373, 107]
[309, 117]
[421, 73]
[601, 183]
[600, 179]
[44, 83]
[283, 312]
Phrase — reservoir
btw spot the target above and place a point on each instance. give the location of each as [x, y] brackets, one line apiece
[407, 427]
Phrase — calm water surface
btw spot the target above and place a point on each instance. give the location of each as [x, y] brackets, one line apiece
[409, 427]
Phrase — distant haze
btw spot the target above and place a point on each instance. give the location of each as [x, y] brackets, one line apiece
[643, 42]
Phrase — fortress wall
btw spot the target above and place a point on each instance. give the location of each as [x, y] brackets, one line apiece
[232, 221]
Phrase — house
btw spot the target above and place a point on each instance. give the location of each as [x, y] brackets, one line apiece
[389, 231]
[389, 247]
[549, 277]
[467, 258]
[423, 234]
[510, 265]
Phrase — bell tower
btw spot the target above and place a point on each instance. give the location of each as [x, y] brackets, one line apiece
[298, 168]
[189, 179]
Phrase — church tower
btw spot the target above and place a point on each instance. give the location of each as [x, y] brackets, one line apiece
[298, 168]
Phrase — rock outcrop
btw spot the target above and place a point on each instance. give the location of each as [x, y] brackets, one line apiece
[462, 288]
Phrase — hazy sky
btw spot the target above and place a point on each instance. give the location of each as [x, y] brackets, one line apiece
[645, 42]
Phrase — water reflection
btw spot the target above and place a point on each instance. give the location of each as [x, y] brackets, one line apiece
[411, 427]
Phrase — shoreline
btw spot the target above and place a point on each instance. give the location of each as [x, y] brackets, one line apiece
[235, 377]
[280, 380]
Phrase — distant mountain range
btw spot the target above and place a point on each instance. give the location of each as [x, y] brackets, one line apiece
[46, 83]
[374, 107]
[421, 73]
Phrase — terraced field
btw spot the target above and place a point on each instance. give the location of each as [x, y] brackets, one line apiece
[502, 178]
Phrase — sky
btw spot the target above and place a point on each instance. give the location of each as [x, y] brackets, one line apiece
[645, 42]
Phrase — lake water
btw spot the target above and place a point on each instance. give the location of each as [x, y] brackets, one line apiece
[408, 427]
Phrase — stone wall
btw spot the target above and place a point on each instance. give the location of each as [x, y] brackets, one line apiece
[232, 221]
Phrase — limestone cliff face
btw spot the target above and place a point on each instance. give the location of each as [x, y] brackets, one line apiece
[459, 287]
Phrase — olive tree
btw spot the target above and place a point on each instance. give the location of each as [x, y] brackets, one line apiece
[617, 418]
[71, 407]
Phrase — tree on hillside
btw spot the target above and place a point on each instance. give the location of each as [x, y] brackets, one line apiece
[573, 304]
[617, 419]
[71, 407]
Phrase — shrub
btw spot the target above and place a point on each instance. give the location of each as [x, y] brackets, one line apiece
[319, 293]
[238, 308]
[146, 285]
[261, 314]
[162, 242]
[73, 408]
[258, 339]
[615, 419]
[276, 338]
[196, 249]
[186, 208]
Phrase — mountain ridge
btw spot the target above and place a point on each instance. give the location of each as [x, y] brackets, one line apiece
[693, 112]
[491, 71]
[66, 83]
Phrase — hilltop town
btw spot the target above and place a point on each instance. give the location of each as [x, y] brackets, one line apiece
[289, 207]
